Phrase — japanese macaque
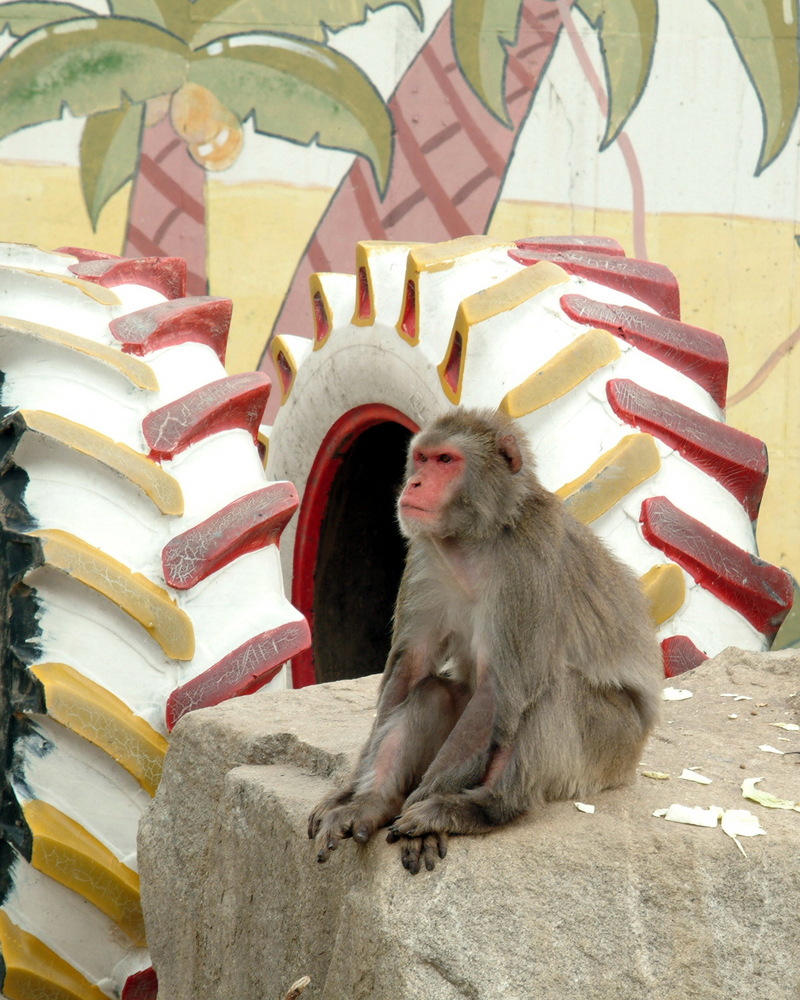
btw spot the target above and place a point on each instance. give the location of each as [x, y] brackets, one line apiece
[523, 668]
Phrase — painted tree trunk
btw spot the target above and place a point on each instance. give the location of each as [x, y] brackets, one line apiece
[450, 158]
[167, 213]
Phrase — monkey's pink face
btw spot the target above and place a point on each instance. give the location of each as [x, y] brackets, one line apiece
[436, 477]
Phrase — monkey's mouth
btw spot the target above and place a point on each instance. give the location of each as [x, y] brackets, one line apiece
[413, 511]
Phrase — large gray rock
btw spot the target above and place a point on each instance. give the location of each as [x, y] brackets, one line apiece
[617, 904]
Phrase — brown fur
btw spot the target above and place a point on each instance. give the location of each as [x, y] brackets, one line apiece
[523, 668]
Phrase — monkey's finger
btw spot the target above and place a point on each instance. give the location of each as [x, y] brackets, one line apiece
[442, 838]
[326, 847]
[404, 828]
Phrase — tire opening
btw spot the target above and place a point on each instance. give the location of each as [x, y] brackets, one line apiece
[360, 557]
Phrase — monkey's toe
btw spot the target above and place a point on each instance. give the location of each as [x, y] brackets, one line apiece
[410, 854]
[425, 849]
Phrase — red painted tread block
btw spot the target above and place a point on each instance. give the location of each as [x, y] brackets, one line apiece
[200, 319]
[558, 244]
[696, 353]
[680, 655]
[652, 283]
[243, 671]
[736, 460]
[83, 254]
[760, 592]
[166, 275]
[249, 523]
[141, 986]
[237, 401]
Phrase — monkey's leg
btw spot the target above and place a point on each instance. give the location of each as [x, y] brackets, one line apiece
[403, 747]
[404, 668]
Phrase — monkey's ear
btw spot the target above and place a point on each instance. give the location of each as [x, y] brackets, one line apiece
[508, 448]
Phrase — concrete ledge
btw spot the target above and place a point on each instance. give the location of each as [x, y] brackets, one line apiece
[617, 904]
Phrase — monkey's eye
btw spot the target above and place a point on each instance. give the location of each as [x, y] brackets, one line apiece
[445, 458]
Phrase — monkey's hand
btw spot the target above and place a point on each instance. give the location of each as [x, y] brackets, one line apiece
[324, 806]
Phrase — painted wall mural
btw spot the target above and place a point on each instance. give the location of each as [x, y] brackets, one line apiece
[261, 139]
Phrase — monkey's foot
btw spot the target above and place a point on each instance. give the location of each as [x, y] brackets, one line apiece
[414, 850]
[460, 812]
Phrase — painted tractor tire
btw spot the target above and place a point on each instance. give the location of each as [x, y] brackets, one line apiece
[141, 579]
[623, 405]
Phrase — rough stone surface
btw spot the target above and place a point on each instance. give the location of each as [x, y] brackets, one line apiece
[617, 904]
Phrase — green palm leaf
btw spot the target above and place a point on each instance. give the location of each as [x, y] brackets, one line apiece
[25, 16]
[304, 18]
[300, 91]
[627, 33]
[766, 39]
[158, 12]
[89, 64]
[482, 32]
[109, 154]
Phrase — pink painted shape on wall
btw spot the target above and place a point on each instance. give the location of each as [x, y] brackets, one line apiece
[234, 402]
[249, 523]
[736, 460]
[697, 353]
[761, 593]
[201, 319]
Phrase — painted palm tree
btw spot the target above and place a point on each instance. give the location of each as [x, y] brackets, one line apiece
[459, 109]
[165, 86]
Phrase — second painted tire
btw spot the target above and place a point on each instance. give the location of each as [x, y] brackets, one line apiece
[622, 402]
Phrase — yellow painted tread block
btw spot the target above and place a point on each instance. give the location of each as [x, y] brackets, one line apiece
[509, 293]
[91, 289]
[34, 970]
[133, 369]
[664, 587]
[428, 258]
[617, 471]
[566, 369]
[366, 253]
[98, 716]
[143, 600]
[489, 302]
[441, 256]
[162, 488]
[71, 855]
